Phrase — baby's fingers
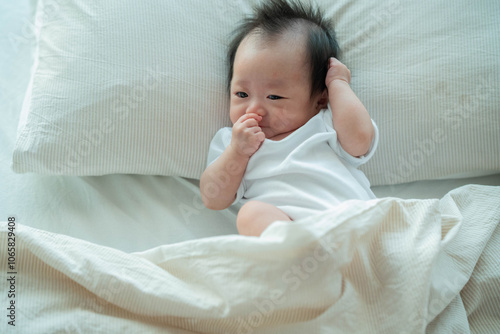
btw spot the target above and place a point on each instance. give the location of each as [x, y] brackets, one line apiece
[249, 116]
[337, 71]
[251, 123]
[332, 62]
[260, 136]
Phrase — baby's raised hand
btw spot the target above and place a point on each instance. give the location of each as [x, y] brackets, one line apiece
[337, 71]
[247, 136]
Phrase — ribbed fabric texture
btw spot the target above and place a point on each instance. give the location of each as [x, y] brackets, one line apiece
[139, 87]
[125, 88]
[383, 266]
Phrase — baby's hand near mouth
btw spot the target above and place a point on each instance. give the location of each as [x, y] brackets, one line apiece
[247, 136]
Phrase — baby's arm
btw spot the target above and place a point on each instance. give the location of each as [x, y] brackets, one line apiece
[220, 181]
[350, 119]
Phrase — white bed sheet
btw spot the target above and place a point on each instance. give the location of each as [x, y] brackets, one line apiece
[127, 212]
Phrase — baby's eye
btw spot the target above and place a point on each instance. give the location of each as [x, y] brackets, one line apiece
[241, 94]
[274, 97]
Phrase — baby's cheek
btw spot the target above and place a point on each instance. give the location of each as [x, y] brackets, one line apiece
[279, 123]
[234, 116]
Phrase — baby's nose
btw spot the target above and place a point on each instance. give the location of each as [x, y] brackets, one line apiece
[256, 108]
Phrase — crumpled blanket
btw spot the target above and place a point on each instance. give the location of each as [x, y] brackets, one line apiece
[383, 266]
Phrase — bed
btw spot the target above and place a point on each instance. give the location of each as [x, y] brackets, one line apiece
[107, 113]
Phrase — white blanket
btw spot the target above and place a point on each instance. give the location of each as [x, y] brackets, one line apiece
[383, 266]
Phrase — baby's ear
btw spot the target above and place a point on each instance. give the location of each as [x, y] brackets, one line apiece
[322, 100]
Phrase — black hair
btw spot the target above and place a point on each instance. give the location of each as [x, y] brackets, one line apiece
[274, 17]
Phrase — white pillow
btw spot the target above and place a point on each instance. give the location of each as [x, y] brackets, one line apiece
[139, 87]
[125, 87]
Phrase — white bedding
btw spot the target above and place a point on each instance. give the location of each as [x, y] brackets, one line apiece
[147, 210]
[76, 235]
[384, 266]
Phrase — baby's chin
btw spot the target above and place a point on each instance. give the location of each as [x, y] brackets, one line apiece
[268, 132]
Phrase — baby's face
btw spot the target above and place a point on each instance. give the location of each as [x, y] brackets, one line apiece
[272, 79]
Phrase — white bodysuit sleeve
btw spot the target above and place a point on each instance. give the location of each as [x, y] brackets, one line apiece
[335, 144]
[218, 144]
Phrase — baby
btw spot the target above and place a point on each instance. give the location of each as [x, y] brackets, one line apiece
[299, 131]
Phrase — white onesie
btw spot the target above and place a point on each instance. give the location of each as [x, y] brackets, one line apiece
[305, 173]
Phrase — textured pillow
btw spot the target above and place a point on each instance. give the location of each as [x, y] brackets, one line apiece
[125, 87]
[429, 76]
[139, 87]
